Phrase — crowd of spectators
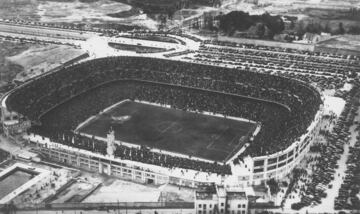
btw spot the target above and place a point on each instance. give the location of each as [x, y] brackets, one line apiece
[278, 103]
[142, 154]
[323, 166]
[68, 115]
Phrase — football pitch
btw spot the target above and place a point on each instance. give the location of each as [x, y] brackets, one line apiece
[194, 134]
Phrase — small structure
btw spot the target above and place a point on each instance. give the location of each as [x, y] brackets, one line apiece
[212, 199]
[110, 143]
[13, 123]
[311, 38]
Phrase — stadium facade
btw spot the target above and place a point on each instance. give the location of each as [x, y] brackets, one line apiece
[242, 169]
[280, 164]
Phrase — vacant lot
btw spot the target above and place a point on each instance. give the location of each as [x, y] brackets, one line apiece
[42, 58]
[8, 69]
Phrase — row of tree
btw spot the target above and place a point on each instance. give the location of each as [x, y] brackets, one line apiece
[262, 26]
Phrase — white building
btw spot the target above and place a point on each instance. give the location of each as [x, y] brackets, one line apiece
[212, 199]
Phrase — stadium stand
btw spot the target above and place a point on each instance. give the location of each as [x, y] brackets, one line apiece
[285, 107]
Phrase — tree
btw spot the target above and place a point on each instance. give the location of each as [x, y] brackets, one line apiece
[313, 27]
[241, 21]
[354, 30]
[327, 28]
[300, 28]
[341, 28]
[274, 186]
[260, 30]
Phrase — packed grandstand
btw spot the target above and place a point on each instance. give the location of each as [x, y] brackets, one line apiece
[58, 102]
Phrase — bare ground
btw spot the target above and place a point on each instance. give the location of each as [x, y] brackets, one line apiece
[8, 69]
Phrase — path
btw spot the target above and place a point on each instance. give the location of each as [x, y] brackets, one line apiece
[327, 204]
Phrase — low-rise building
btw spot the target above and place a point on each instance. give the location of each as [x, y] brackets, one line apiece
[213, 199]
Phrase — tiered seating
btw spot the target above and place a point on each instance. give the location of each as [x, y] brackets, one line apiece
[284, 106]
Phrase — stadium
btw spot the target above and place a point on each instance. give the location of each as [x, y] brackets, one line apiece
[151, 120]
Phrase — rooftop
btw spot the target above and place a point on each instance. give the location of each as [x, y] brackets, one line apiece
[206, 192]
[236, 195]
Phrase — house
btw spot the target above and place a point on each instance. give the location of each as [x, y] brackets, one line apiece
[213, 199]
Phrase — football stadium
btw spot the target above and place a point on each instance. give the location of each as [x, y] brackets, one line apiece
[150, 120]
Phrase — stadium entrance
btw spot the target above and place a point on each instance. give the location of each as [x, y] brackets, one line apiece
[150, 181]
[104, 168]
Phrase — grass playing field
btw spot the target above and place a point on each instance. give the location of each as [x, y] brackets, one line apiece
[198, 135]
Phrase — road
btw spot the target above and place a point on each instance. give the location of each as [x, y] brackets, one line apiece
[92, 42]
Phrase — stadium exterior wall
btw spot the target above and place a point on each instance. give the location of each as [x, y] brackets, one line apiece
[125, 169]
[279, 164]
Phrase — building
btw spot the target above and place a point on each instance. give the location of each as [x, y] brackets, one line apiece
[13, 123]
[211, 199]
[237, 202]
[311, 37]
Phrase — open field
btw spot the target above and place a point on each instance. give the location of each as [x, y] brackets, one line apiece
[93, 12]
[21, 61]
[351, 42]
[76, 11]
[309, 9]
[39, 59]
[192, 134]
[22, 9]
[344, 44]
[8, 69]
[60, 10]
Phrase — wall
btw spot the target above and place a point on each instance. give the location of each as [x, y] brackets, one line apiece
[281, 163]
